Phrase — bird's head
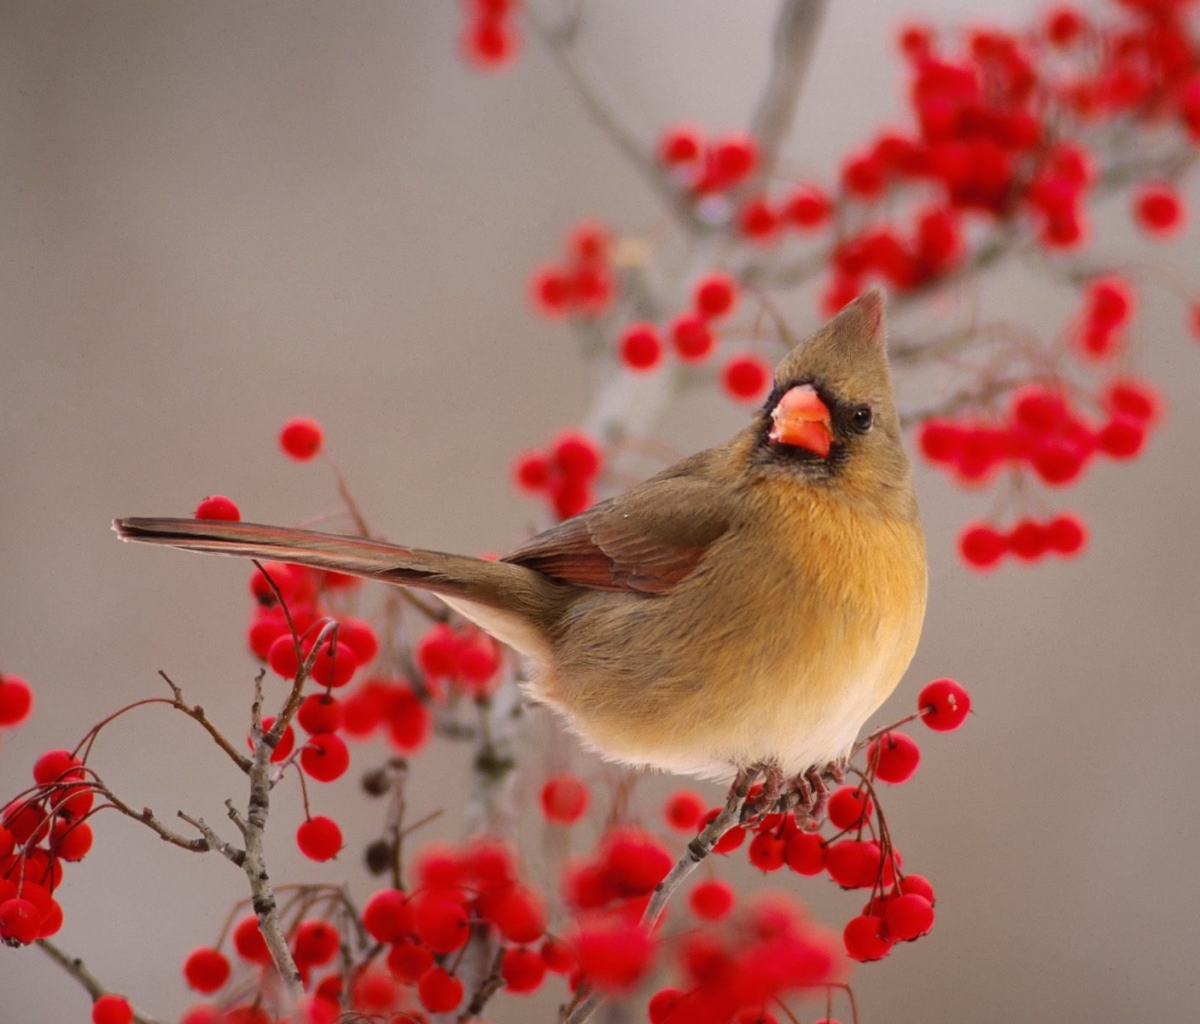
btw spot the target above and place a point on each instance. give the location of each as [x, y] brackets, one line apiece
[831, 417]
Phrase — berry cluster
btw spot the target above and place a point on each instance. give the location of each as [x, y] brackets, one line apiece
[584, 283]
[564, 474]
[704, 167]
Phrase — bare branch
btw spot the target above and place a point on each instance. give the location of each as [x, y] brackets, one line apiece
[74, 967]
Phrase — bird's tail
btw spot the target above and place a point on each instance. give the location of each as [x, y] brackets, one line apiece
[496, 585]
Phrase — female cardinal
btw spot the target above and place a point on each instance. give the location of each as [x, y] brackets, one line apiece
[750, 606]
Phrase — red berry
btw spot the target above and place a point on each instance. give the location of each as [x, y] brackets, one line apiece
[334, 665]
[940, 440]
[388, 916]
[20, 921]
[409, 960]
[1122, 437]
[731, 840]
[807, 853]
[916, 41]
[518, 914]
[589, 241]
[640, 347]
[1064, 25]
[577, 456]
[854, 863]
[732, 159]
[557, 956]
[898, 757]
[683, 810]
[715, 296]
[324, 757]
[865, 939]
[16, 700]
[282, 656]
[217, 506]
[691, 337]
[443, 924]
[319, 838]
[531, 472]
[249, 942]
[1066, 534]
[944, 705]
[767, 851]
[550, 290]
[907, 917]
[679, 144]
[863, 176]
[360, 637]
[663, 1004]
[522, 970]
[711, 900]
[1159, 209]
[564, 799]
[438, 991]
[316, 942]
[72, 839]
[320, 712]
[490, 42]
[849, 807]
[206, 969]
[1027, 540]
[745, 378]
[301, 438]
[807, 208]
[112, 1009]
[1109, 302]
[57, 766]
[614, 956]
[1137, 399]
[918, 885]
[570, 497]
[758, 221]
[982, 546]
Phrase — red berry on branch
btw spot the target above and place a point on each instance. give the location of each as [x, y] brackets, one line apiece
[715, 296]
[282, 656]
[324, 757]
[531, 472]
[982, 546]
[206, 969]
[16, 700]
[691, 337]
[360, 637]
[745, 378]
[112, 1009]
[808, 208]
[57, 766]
[316, 942]
[1159, 209]
[711, 900]
[849, 807]
[898, 757]
[438, 991]
[918, 885]
[319, 838]
[731, 160]
[550, 290]
[807, 853]
[916, 41]
[589, 242]
[287, 741]
[1126, 396]
[1122, 437]
[1064, 25]
[489, 42]
[731, 840]
[907, 917]
[522, 970]
[20, 921]
[863, 176]
[1109, 302]
[409, 960]
[320, 712]
[1027, 540]
[301, 438]
[614, 955]
[679, 144]
[249, 942]
[564, 799]
[72, 839]
[767, 851]
[443, 924]
[219, 507]
[663, 1006]
[683, 810]
[758, 220]
[1066, 534]
[388, 916]
[640, 347]
[866, 939]
[334, 665]
[944, 705]
[577, 456]
[854, 863]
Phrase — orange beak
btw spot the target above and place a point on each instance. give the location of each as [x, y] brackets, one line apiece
[801, 419]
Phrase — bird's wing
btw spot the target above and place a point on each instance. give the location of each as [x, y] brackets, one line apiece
[646, 540]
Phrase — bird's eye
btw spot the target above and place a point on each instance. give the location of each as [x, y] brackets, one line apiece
[862, 419]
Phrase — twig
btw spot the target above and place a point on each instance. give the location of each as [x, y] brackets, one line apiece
[214, 841]
[147, 818]
[196, 713]
[693, 854]
[74, 967]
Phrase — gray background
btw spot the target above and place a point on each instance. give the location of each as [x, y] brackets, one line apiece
[217, 215]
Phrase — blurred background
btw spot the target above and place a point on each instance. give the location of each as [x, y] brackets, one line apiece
[215, 216]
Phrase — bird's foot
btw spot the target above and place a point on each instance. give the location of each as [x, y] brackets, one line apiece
[811, 791]
[763, 802]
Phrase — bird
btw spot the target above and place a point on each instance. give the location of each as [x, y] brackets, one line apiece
[748, 607]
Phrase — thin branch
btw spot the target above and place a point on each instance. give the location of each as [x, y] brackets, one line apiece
[74, 967]
[689, 860]
[147, 818]
[214, 841]
[196, 713]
